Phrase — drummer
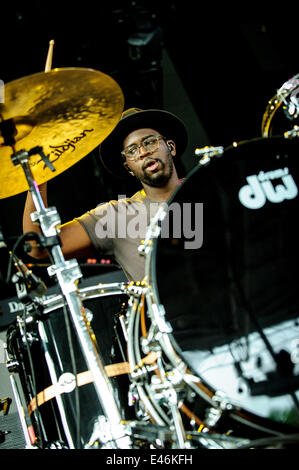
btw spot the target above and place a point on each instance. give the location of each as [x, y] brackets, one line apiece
[143, 144]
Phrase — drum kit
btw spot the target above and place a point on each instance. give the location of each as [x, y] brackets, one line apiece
[206, 346]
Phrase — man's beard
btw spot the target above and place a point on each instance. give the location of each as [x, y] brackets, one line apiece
[159, 178]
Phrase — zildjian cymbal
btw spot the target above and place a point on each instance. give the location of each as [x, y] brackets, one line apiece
[67, 111]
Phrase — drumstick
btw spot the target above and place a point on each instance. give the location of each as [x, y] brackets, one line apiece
[49, 56]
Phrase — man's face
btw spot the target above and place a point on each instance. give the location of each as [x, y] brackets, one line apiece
[152, 168]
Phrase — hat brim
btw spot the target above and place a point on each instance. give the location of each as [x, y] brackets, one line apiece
[166, 123]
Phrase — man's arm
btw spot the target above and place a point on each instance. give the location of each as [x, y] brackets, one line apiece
[74, 240]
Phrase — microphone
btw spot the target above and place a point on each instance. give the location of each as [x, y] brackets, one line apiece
[33, 283]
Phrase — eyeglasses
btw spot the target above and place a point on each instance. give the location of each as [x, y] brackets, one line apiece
[149, 144]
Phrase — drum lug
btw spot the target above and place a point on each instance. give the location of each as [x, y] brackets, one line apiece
[221, 401]
[106, 435]
[212, 417]
[153, 231]
[141, 373]
[222, 405]
[132, 395]
[293, 133]
[27, 337]
[30, 338]
[208, 152]
[135, 289]
[88, 315]
[12, 366]
[159, 318]
[150, 345]
[56, 445]
[134, 400]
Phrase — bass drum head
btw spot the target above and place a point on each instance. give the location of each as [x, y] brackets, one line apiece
[229, 281]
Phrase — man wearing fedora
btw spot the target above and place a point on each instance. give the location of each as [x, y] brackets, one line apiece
[143, 144]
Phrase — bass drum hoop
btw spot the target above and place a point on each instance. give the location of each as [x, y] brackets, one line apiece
[169, 344]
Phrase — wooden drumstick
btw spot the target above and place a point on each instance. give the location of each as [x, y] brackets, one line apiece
[49, 56]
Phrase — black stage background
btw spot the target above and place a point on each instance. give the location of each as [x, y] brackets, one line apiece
[215, 72]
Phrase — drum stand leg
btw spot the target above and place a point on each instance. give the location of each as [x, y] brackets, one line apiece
[19, 405]
[146, 393]
[177, 420]
[68, 274]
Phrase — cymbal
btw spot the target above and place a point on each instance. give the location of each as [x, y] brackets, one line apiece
[67, 112]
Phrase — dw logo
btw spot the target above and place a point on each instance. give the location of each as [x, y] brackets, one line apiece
[260, 188]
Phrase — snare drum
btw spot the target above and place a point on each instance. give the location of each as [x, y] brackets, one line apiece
[223, 291]
[67, 415]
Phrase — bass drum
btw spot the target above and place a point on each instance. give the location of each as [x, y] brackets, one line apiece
[47, 357]
[225, 269]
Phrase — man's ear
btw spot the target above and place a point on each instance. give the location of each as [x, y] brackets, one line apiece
[128, 168]
[171, 146]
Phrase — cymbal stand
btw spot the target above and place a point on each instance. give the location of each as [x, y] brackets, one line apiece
[68, 273]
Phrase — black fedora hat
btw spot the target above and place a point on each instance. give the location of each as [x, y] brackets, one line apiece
[166, 123]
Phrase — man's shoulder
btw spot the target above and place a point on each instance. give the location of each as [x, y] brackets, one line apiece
[121, 203]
